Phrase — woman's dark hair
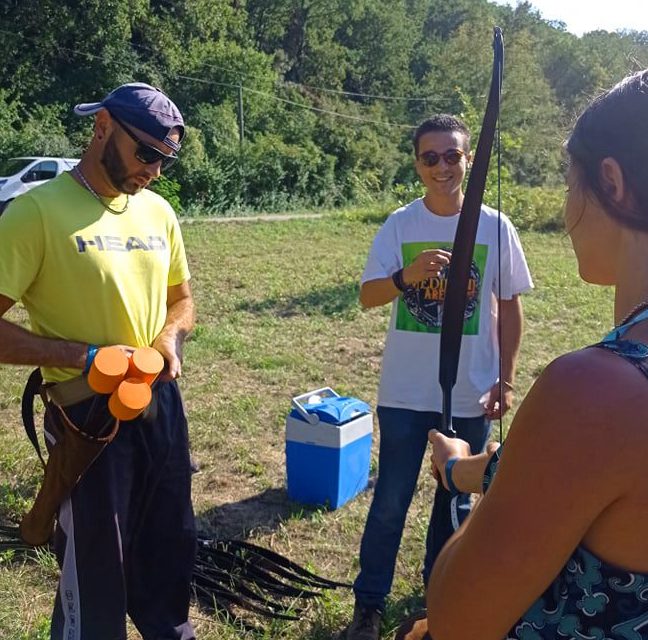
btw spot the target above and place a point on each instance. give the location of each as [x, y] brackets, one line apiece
[440, 122]
[615, 125]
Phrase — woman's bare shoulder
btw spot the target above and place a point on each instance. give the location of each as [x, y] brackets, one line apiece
[587, 399]
[593, 374]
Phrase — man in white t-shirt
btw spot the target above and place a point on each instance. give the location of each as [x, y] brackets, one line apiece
[407, 267]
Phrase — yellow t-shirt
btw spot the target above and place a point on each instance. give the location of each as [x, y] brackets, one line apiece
[86, 274]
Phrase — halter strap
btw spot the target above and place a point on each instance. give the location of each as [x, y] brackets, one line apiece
[618, 332]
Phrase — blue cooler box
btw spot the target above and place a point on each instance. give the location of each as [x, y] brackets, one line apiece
[328, 448]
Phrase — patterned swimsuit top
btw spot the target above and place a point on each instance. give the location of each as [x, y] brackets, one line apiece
[590, 599]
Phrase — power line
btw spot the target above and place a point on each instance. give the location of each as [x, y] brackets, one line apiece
[248, 89]
[359, 95]
[241, 74]
[235, 72]
[333, 113]
[297, 104]
[203, 81]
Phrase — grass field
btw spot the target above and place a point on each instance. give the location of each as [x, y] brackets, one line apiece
[278, 315]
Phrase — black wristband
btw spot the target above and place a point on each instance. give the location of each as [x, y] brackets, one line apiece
[452, 487]
[397, 278]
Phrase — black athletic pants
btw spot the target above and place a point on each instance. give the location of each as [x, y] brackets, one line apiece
[126, 538]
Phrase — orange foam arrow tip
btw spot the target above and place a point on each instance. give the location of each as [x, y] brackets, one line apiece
[130, 398]
[108, 369]
[145, 364]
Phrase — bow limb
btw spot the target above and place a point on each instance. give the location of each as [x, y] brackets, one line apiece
[464, 243]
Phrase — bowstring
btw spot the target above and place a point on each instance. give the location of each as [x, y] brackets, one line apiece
[499, 249]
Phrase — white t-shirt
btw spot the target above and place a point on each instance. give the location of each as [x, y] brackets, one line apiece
[410, 368]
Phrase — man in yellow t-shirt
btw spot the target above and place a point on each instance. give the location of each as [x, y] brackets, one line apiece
[97, 259]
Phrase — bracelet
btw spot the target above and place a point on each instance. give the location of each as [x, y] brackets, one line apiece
[397, 279]
[507, 384]
[452, 487]
[91, 352]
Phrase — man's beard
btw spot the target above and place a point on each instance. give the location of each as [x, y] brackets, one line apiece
[116, 170]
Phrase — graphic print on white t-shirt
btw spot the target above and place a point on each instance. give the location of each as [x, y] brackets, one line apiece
[420, 308]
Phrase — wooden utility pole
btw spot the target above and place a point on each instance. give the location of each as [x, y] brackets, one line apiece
[241, 121]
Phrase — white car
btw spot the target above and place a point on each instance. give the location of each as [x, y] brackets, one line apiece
[19, 175]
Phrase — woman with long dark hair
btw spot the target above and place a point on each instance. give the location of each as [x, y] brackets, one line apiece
[558, 545]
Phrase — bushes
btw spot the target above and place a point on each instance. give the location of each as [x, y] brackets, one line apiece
[264, 174]
[335, 165]
[277, 173]
[38, 132]
[529, 208]
[169, 189]
[535, 208]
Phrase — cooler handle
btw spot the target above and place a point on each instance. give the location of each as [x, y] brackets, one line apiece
[312, 418]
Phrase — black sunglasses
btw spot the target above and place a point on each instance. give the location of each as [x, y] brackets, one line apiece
[451, 156]
[145, 153]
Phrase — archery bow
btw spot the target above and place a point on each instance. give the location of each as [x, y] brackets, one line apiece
[464, 243]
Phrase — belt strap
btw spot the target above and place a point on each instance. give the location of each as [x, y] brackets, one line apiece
[69, 392]
[34, 386]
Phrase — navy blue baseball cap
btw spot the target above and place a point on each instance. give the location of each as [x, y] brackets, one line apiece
[142, 106]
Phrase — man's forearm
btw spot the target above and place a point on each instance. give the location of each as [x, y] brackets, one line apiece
[179, 322]
[181, 317]
[19, 346]
[512, 319]
[376, 293]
